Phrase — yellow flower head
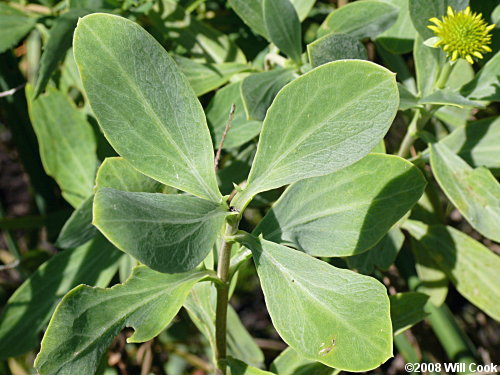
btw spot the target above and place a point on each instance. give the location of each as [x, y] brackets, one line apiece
[462, 34]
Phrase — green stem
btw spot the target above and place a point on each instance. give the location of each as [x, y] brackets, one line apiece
[454, 341]
[223, 296]
[444, 75]
[409, 137]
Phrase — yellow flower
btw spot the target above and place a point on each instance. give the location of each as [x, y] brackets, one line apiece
[462, 34]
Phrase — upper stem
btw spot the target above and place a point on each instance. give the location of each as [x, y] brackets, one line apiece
[223, 296]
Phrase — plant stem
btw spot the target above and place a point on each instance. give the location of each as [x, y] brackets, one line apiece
[409, 137]
[444, 75]
[223, 296]
[454, 341]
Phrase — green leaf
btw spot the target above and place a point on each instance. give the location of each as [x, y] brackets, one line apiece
[242, 130]
[29, 309]
[336, 215]
[321, 122]
[205, 77]
[167, 232]
[201, 306]
[333, 47]
[407, 309]
[250, 11]
[486, 84]
[433, 280]
[474, 192]
[67, 143]
[14, 25]
[448, 97]
[87, 319]
[380, 256]
[422, 10]
[145, 106]
[241, 368]
[289, 362]
[258, 91]
[60, 37]
[399, 38]
[283, 27]
[303, 7]
[360, 19]
[407, 99]
[327, 314]
[426, 66]
[470, 266]
[117, 173]
[78, 229]
[477, 143]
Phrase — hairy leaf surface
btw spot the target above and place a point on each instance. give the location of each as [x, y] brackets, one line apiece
[474, 192]
[327, 314]
[363, 19]
[145, 106]
[321, 122]
[87, 319]
[167, 232]
[336, 215]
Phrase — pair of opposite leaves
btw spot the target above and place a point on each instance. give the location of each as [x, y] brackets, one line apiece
[323, 121]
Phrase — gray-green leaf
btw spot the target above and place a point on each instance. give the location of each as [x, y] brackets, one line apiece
[259, 90]
[474, 192]
[78, 229]
[29, 309]
[407, 309]
[336, 215]
[327, 314]
[283, 27]
[360, 19]
[167, 232]
[321, 122]
[334, 47]
[116, 173]
[145, 106]
[205, 77]
[470, 266]
[380, 256]
[14, 25]
[87, 319]
[67, 143]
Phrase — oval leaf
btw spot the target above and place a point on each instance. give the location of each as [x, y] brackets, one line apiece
[333, 47]
[283, 27]
[321, 122]
[470, 266]
[360, 19]
[167, 232]
[336, 215]
[474, 192]
[146, 108]
[67, 143]
[327, 314]
[87, 319]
